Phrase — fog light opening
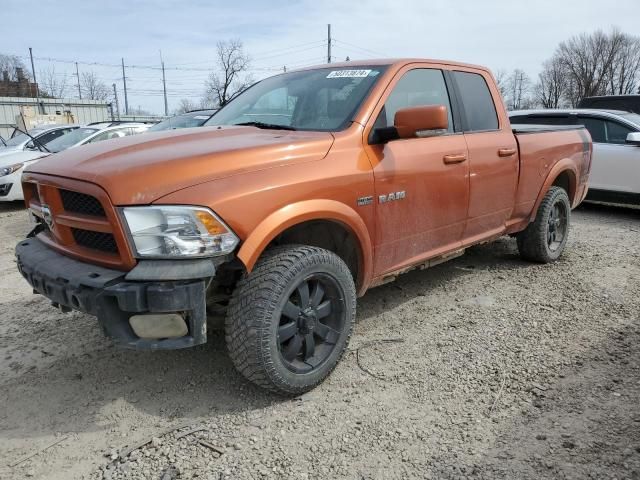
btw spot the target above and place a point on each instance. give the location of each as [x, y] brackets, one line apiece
[156, 326]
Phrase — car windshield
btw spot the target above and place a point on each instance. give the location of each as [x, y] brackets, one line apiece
[186, 120]
[70, 139]
[632, 117]
[322, 99]
[17, 140]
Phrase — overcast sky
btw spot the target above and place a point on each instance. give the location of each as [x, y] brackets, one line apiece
[501, 34]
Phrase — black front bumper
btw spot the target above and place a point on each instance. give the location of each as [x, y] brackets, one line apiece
[107, 294]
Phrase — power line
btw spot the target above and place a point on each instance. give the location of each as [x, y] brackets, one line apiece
[360, 48]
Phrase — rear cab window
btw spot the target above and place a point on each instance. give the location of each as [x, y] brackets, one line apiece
[477, 103]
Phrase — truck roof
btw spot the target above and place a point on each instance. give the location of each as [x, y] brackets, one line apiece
[397, 62]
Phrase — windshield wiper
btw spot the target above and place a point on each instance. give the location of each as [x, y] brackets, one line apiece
[35, 141]
[272, 126]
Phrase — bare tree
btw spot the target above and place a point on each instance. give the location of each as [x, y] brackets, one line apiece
[588, 60]
[624, 75]
[52, 83]
[552, 86]
[185, 105]
[93, 88]
[10, 64]
[230, 77]
[501, 82]
[518, 87]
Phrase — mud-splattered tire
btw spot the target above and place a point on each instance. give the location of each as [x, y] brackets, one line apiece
[289, 320]
[545, 238]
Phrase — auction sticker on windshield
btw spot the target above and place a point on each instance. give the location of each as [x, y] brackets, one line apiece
[348, 73]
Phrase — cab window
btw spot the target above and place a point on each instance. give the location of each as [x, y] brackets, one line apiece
[477, 102]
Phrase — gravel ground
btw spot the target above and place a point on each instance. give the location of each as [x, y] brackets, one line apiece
[484, 367]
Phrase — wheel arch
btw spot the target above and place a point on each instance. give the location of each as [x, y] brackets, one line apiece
[289, 225]
[564, 174]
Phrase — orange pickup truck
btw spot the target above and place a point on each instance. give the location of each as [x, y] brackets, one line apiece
[299, 195]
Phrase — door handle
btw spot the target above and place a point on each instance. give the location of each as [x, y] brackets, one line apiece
[454, 158]
[506, 152]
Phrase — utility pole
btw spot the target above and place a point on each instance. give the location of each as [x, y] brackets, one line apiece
[115, 94]
[329, 43]
[164, 87]
[124, 81]
[78, 75]
[33, 72]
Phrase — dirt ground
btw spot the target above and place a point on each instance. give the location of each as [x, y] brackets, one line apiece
[484, 367]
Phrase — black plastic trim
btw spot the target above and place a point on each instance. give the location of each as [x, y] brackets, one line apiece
[105, 293]
[165, 270]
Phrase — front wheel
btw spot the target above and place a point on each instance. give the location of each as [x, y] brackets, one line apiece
[289, 321]
[545, 238]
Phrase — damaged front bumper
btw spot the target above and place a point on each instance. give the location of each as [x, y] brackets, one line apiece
[114, 297]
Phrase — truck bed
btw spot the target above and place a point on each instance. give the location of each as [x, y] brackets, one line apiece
[541, 147]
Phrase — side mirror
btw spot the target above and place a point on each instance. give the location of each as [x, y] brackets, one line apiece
[30, 146]
[423, 121]
[633, 138]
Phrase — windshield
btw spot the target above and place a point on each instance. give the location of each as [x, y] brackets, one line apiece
[17, 140]
[70, 139]
[632, 117]
[186, 120]
[322, 99]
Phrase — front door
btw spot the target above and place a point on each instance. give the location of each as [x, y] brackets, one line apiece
[421, 184]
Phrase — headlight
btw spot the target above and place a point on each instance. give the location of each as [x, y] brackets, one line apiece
[178, 231]
[10, 169]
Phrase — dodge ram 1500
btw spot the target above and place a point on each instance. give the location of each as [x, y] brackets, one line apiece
[299, 195]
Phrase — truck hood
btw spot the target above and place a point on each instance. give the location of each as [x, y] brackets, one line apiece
[142, 168]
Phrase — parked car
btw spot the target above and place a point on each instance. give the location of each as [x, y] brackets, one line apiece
[43, 135]
[196, 118]
[626, 103]
[615, 174]
[368, 170]
[13, 164]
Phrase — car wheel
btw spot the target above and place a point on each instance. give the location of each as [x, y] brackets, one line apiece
[290, 319]
[545, 238]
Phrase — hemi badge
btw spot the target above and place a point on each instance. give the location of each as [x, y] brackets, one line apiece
[362, 201]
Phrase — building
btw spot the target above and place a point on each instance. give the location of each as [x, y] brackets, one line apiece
[21, 87]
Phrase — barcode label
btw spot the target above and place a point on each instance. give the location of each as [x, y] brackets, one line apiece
[348, 73]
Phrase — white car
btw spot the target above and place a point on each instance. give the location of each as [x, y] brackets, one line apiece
[615, 168]
[12, 164]
[43, 135]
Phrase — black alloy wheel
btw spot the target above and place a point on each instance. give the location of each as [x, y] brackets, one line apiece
[312, 320]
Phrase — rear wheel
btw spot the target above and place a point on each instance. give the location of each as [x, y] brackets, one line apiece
[289, 321]
[545, 238]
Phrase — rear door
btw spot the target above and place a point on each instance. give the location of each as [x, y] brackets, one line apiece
[421, 184]
[615, 165]
[493, 155]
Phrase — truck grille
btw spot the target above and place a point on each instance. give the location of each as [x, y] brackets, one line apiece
[78, 219]
[81, 203]
[103, 242]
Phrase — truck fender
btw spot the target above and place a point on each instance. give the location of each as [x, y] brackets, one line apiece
[564, 165]
[293, 214]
